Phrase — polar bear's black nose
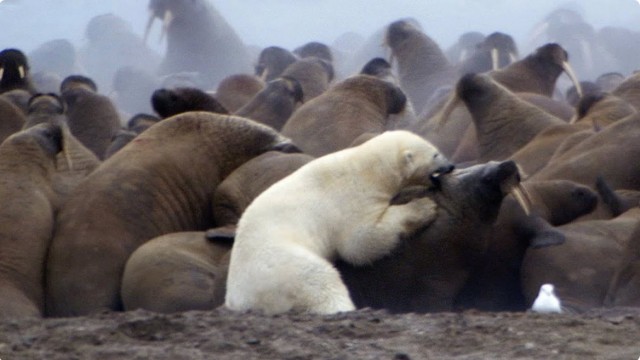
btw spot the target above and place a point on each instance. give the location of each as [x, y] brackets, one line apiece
[446, 169]
[435, 176]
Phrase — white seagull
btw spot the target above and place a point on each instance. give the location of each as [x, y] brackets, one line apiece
[547, 301]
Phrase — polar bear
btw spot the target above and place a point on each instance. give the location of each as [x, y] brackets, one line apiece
[338, 205]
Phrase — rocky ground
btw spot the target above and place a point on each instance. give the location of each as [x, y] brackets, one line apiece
[364, 334]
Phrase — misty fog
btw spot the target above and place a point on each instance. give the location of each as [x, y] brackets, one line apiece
[442, 20]
[26, 24]
[289, 23]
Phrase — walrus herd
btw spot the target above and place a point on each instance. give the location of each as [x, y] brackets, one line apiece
[499, 170]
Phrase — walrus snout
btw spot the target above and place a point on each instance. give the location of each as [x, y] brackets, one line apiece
[48, 136]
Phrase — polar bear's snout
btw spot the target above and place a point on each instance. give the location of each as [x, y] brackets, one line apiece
[442, 170]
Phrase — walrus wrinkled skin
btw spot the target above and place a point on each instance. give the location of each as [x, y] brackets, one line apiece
[161, 182]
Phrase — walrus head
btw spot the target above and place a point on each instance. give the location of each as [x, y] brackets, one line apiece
[46, 103]
[554, 56]
[167, 11]
[14, 67]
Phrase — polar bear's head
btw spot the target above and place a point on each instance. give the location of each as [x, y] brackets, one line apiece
[418, 161]
[423, 163]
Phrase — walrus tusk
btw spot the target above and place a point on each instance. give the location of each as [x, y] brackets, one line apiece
[66, 134]
[463, 55]
[574, 118]
[1, 72]
[522, 196]
[166, 22]
[495, 61]
[443, 115]
[147, 29]
[264, 74]
[392, 57]
[21, 71]
[572, 75]
[512, 57]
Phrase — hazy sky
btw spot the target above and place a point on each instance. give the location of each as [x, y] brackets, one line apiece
[289, 23]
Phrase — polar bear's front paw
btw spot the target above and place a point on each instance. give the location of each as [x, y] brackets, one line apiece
[420, 212]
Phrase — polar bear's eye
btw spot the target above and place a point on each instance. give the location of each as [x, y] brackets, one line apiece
[408, 155]
[435, 155]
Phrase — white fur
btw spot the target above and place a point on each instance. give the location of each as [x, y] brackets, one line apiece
[336, 205]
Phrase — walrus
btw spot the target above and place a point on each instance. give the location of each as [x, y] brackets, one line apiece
[494, 284]
[333, 120]
[169, 102]
[624, 289]
[609, 81]
[314, 48]
[141, 122]
[188, 270]
[14, 71]
[235, 91]
[275, 103]
[13, 119]
[42, 107]
[199, 39]
[495, 52]
[272, 62]
[171, 170]
[380, 68]
[538, 71]
[77, 81]
[504, 122]
[583, 267]
[464, 47]
[110, 44]
[120, 139]
[19, 98]
[28, 164]
[313, 74]
[594, 113]
[429, 268]
[421, 64]
[629, 90]
[176, 272]
[249, 180]
[92, 117]
[602, 109]
[587, 87]
[601, 153]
